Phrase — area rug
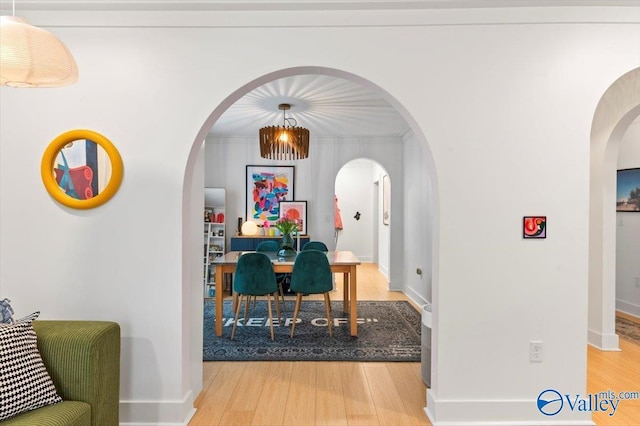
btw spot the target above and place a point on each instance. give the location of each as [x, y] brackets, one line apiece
[628, 330]
[387, 331]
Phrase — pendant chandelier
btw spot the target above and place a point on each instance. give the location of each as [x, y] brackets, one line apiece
[33, 57]
[288, 142]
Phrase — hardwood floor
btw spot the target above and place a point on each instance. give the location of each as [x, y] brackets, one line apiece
[616, 371]
[365, 393]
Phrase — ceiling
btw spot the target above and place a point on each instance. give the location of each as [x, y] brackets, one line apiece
[327, 106]
[298, 4]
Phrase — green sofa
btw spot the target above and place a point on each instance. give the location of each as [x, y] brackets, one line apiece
[83, 359]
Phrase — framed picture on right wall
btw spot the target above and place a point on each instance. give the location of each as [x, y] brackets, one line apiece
[386, 199]
[628, 190]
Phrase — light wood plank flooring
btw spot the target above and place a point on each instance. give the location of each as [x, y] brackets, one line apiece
[364, 393]
[616, 371]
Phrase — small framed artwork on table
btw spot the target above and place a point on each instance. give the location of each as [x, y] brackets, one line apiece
[295, 210]
[534, 227]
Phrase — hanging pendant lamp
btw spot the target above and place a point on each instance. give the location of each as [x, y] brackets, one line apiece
[288, 142]
[33, 57]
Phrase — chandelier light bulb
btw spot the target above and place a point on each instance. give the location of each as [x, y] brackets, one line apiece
[284, 137]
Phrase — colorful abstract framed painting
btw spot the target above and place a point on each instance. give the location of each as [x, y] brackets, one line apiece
[267, 186]
[628, 190]
[534, 227]
[296, 210]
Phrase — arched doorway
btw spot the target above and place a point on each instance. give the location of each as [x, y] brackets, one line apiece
[360, 190]
[192, 208]
[617, 109]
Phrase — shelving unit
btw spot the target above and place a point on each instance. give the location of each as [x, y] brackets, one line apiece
[214, 247]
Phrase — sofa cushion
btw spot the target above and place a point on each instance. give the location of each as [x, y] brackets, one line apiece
[25, 383]
[66, 413]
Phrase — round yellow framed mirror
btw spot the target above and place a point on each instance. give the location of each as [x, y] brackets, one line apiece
[81, 169]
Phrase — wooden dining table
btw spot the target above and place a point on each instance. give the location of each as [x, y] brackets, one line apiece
[340, 261]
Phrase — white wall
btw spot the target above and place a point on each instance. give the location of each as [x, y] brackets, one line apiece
[506, 107]
[628, 233]
[418, 219]
[355, 189]
[192, 379]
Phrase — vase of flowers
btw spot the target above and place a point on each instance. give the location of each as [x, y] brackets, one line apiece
[286, 228]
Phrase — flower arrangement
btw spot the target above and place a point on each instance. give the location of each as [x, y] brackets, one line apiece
[286, 226]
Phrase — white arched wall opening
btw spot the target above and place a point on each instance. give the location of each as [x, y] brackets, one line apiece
[192, 204]
[359, 188]
[617, 108]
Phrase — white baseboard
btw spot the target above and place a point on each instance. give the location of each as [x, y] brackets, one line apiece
[497, 413]
[415, 297]
[157, 413]
[628, 308]
[384, 271]
[604, 342]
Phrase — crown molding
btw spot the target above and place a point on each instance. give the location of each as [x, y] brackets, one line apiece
[300, 5]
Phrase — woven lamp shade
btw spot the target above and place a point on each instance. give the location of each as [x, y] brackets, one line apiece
[284, 143]
[33, 57]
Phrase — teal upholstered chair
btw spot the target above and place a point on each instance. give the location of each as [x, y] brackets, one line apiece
[254, 276]
[311, 275]
[270, 245]
[274, 246]
[315, 245]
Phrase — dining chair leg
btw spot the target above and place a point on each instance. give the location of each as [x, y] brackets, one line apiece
[327, 304]
[247, 302]
[270, 315]
[235, 301]
[277, 303]
[235, 322]
[295, 312]
[281, 290]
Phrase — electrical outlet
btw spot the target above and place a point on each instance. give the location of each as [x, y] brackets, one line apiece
[535, 351]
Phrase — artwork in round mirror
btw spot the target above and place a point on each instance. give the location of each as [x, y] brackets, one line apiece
[81, 169]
